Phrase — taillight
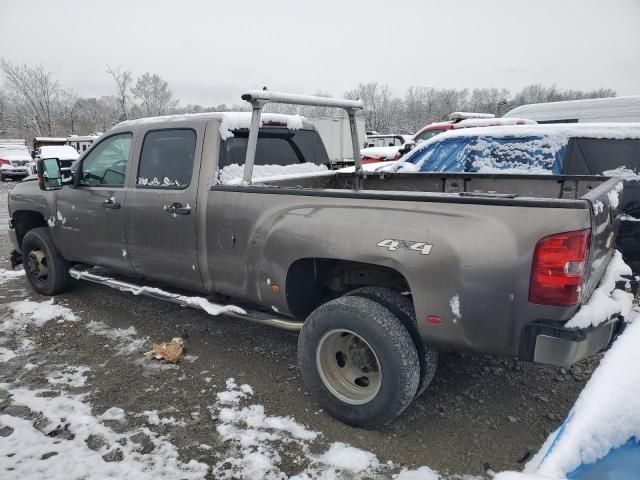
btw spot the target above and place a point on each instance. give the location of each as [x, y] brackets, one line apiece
[559, 268]
[5, 162]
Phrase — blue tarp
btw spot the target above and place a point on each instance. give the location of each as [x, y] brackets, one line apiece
[622, 463]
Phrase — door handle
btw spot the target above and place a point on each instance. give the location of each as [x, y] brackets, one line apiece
[177, 209]
[111, 204]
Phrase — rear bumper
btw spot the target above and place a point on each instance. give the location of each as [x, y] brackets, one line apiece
[544, 342]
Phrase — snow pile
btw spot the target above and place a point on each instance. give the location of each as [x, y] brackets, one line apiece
[598, 207]
[72, 376]
[454, 303]
[348, 459]
[61, 451]
[233, 394]
[606, 300]
[629, 218]
[259, 442]
[6, 354]
[386, 153]
[126, 339]
[624, 173]
[614, 195]
[232, 174]
[605, 416]
[153, 417]
[113, 413]
[7, 275]
[236, 120]
[422, 473]
[28, 312]
[492, 122]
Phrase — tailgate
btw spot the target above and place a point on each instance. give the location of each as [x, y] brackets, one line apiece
[605, 201]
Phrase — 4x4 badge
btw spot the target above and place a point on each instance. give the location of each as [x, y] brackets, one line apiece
[393, 245]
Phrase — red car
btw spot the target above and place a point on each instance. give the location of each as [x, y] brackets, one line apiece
[466, 120]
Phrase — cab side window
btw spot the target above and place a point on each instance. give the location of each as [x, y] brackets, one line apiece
[166, 160]
[107, 163]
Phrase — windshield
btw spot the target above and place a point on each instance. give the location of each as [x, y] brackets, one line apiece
[490, 154]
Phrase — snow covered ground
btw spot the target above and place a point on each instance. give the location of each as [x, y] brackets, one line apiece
[54, 432]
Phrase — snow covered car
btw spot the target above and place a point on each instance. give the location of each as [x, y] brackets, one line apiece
[65, 153]
[560, 149]
[376, 272]
[15, 161]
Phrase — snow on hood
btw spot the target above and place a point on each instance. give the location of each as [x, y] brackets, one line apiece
[17, 152]
[61, 152]
[388, 153]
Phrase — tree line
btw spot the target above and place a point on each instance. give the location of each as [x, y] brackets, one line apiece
[34, 103]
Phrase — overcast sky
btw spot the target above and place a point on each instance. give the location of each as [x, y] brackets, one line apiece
[210, 51]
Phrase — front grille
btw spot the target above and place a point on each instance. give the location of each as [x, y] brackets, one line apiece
[19, 163]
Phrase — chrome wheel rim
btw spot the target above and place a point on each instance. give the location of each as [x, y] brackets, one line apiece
[348, 366]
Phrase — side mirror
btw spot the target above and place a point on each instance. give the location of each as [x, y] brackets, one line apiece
[49, 174]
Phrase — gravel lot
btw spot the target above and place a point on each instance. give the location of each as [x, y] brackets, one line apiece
[479, 411]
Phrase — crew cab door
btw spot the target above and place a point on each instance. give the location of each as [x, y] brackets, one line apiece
[88, 225]
[161, 207]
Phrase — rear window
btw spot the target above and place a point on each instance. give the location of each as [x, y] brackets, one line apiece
[487, 154]
[593, 156]
[166, 160]
[279, 151]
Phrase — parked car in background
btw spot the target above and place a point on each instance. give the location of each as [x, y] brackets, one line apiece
[466, 120]
[82, 142]
[380, 153]
[15, 160]
[592, 110]
[65, 153]
[591, 149]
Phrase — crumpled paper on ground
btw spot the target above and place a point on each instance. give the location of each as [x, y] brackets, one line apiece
[169, 351]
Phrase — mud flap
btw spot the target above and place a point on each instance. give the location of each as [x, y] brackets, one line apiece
[15, 259]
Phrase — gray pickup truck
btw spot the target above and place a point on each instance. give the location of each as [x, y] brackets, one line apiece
[377, 272]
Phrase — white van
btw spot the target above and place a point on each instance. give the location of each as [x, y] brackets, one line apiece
[613, 109]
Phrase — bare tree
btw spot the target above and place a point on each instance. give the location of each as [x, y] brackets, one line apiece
[381, 109]
[123, 81]
[69, 112]
[32, 98]
[154, 94]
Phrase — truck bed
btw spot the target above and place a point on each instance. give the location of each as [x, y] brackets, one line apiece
[489, 186]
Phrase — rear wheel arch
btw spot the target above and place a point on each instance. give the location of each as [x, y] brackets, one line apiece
[312, 281]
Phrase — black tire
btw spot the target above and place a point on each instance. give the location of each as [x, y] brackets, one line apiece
[402, 307]
[387, 338]
[57, 269]
[2, 177]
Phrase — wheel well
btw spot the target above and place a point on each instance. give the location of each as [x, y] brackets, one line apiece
[314, 281]
[25, 220]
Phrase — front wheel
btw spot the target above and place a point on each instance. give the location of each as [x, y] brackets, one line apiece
[358, 361]
[46, 270]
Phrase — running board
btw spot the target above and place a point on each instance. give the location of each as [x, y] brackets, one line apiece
[81, 272]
